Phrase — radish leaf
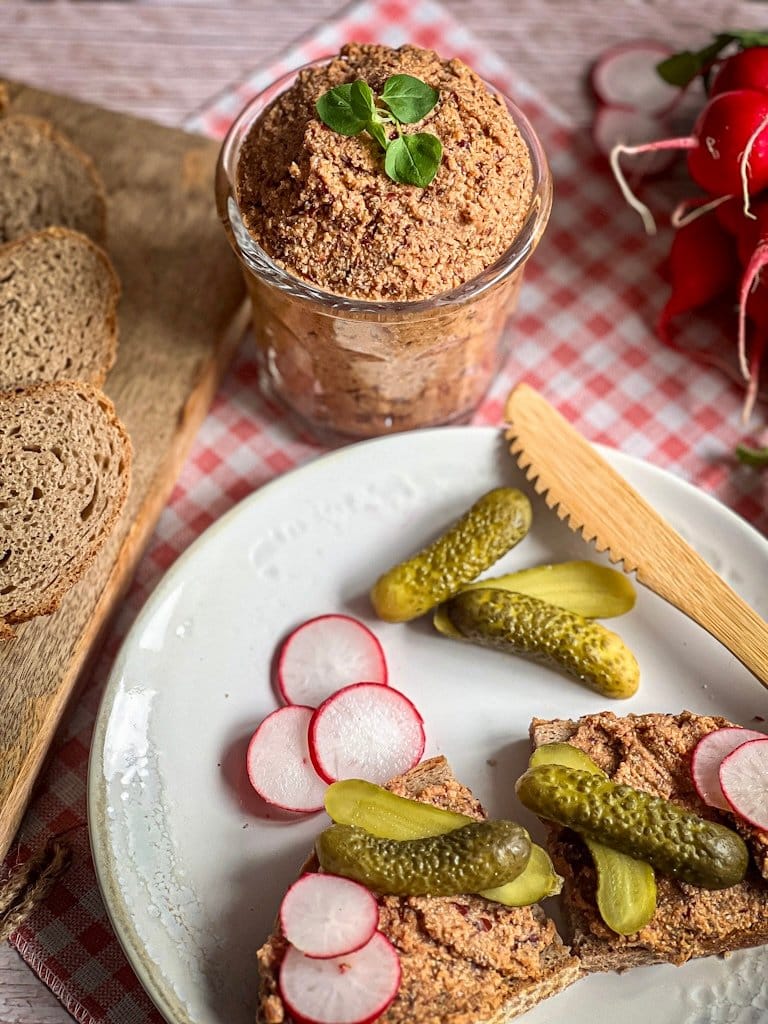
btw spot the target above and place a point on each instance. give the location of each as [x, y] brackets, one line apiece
[757, 457]
[681, 68]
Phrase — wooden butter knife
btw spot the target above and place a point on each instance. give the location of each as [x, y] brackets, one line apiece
[580, 486]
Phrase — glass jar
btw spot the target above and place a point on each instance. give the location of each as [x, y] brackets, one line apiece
[350, 368]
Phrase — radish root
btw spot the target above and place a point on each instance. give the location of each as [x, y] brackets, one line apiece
[689, 210]
[751, 277]
[752, 390]
[754, 377]
[626, 191]
[744, 165]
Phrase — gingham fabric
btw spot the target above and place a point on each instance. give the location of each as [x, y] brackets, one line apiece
[583, 335]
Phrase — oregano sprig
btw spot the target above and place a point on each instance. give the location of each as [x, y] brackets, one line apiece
[411, 159]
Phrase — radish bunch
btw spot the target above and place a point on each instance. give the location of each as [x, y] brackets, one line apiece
[721, 244]
[730, 771]
[338, 967]
[341, 719]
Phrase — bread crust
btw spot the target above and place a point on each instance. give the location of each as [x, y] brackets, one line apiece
[689, 922]
[438, 980]
[48, 603]
[109, 352]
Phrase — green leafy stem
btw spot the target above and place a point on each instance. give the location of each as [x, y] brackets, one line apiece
[681, 68]
[411, 159]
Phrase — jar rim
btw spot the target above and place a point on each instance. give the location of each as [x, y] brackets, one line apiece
[263, 266]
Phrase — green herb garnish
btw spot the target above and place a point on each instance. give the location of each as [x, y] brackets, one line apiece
[681, 68]
[411, 159]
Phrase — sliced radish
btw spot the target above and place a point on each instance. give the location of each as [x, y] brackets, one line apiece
[614, 125]
[744, 779]
[366, 732]
[352, 989]
[326, 916]
[325, 654]
[709, 754]
[626, 76]
[278, 761]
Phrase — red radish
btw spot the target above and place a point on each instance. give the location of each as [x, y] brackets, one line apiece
[279, 765]
[352, 989]
[326, 916]
[626, 76]
[728, 150]
[693, 207]
[730, 215]
[755, 361]
[366, 732]
[620, 124]
[747, 69]
[702, 266]
[708, 755]
[744, 780]
[753, 253]
[323, 655]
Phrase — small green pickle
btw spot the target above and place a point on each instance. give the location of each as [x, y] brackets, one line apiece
[626, 887]
[524, 625]
[495, 523]
[478, 856]
[586, 588]
[674, 841]
[388, 816]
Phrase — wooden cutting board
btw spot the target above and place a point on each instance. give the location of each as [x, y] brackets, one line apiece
[181, 316]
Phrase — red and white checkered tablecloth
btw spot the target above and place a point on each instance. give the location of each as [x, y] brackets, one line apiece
[583, 335]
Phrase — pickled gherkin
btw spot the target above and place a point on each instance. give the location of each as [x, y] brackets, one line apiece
[477, 856]
[524, 625]
[586, 588]
[626, 887]
[388, 816]
[671, 839]
[495, 523]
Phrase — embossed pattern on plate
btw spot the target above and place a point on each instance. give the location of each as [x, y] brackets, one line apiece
[193, 867]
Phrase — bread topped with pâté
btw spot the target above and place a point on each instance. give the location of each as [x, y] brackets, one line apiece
[464, 959]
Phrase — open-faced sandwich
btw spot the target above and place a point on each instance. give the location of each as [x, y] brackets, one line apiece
[453, 959]
[710, 895]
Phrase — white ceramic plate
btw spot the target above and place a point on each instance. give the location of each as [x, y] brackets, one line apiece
[191, 868]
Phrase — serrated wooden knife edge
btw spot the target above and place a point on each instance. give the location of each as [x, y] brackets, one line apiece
[595, 500]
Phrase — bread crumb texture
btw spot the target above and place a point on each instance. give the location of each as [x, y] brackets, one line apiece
[321, 206]
[58, 309]
[64, 474]
[47, 181]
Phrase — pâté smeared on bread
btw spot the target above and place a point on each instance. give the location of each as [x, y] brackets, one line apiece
[464, 959]
[652, 753]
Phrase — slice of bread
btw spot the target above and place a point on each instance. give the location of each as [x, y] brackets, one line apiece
[463, 958]
[64, 475]
[652, 753]
[58, 309]
[45, 181]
